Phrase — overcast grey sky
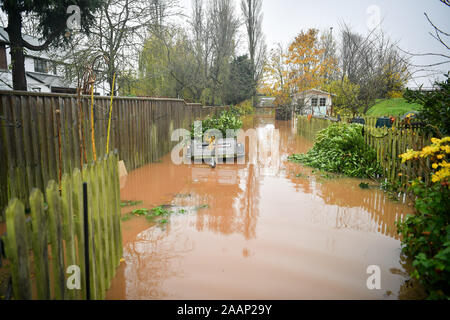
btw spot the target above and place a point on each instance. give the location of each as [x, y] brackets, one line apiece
[402, 20]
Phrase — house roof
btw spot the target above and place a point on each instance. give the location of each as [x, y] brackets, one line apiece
[50, 80]
[318, 91]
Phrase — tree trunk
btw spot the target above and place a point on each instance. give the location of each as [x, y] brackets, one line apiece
[17, 57]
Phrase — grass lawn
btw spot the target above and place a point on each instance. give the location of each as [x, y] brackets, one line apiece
[394, 107]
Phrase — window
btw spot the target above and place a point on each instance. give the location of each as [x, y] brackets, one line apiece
[40, 65]
[323, 102]
[314, 102]
[3, 61]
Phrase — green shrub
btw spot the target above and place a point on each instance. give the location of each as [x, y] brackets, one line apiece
[340, 148]
[226, 121]
[244, 108]
[426, 238]
[436, 106]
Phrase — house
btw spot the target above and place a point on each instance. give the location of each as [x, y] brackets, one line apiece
[44, 71]
[315, 102]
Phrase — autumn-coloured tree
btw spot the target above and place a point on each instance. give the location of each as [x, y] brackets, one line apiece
[305, 65]
[308, 65]
[275, 78]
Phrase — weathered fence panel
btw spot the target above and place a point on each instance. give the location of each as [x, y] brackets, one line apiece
[38, 275]
[389, 144]
[43, 136]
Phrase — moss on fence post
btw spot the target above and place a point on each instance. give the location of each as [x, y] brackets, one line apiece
[17, 250]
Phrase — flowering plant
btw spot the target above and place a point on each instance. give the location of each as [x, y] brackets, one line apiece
[438, 153]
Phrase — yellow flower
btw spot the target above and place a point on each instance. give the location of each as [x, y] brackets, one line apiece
[441, 175]
[446, 149]
[435, 166]
[441, 156]
[435, 141]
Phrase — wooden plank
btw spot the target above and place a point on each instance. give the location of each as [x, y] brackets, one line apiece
[40, 244]
[103, 209]
[78, 217]
[17, 250]
[43, 142]
[49, 133]
[27, 147]
[68, 227]
[36, 167]
[20, 170]
[56, 239]
[92, 235]
[97, 229]
[118, 222]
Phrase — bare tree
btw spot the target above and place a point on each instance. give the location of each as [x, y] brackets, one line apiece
[118, 35]
[224, 27]
[253, 17]
[201, 33]
[373, 63]
[429, 70]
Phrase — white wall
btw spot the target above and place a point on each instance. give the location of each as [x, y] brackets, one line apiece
[309, 109]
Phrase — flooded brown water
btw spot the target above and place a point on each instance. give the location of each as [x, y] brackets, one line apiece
[271, 230]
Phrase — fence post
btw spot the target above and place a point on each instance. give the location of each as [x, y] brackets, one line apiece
[86, 242]
[40, 244]
[56, 239]
[17, 250]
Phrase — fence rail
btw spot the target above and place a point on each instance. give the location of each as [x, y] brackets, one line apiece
[46, 247]
[389, 144]
[43, 136]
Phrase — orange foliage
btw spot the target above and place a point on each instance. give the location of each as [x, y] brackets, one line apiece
[308, 66]
[304, 66]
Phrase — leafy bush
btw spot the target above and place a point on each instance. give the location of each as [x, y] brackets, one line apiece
[426, 235]
[244, 108]
[436, 106]
[340, 148]
[226, 121]
[426, 238]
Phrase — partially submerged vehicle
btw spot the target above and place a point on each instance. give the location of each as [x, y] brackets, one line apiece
[221, 149]
[207, 142]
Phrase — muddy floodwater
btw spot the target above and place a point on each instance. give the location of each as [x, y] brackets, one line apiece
[268, 229]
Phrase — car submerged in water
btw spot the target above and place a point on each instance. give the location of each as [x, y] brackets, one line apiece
[228, 148]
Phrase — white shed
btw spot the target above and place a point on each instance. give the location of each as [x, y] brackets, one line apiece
[315, 102]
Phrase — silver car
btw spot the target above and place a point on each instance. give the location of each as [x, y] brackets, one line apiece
[222, 148]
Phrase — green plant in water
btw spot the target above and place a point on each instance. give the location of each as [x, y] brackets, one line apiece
[130, 203]
[341, 149]
[160, 211]
[364, 185]
[140, 212]
[126, 217]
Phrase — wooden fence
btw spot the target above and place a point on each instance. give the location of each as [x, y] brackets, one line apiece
[389, 144]
[43, 136]
[43, 248]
